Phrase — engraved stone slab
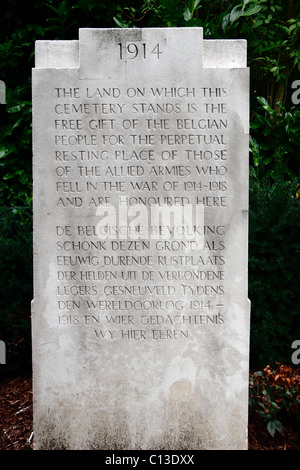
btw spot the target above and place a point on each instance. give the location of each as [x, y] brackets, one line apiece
[140, 317]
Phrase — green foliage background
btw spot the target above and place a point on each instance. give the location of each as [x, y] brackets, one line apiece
[271, 28]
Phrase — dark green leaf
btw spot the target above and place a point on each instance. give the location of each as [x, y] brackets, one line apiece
[252, 10]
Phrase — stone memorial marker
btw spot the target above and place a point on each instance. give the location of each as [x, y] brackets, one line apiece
[140, 317]
[2, 352]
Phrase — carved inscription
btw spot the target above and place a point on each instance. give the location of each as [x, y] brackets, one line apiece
[145, 165]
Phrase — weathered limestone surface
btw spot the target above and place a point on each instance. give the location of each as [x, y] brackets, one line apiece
[140, 317]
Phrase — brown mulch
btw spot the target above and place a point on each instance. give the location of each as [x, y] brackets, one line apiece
[16, 431]
[16, 414]
[260, 439]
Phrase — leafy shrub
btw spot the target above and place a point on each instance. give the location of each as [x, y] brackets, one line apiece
[15, 283]
[275, 143]
[275, 395]
[16, 149]
[274, 245]
[273, 271]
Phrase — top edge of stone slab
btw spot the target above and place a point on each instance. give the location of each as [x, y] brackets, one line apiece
[225, 53]
[139, 52]
[56, 54]
[161, 52]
